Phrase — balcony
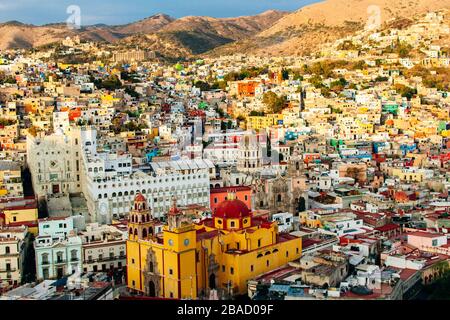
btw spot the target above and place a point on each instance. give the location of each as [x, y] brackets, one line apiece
[11, 254]
[60, 261]
[106, 259]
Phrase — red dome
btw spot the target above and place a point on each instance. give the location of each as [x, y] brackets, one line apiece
[139, 198]
[232, 209]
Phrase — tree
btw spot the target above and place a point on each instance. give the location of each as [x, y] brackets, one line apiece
[111, 83]
[273, 102]
[254, 113]
[403, 50]
[131, 92]
[338, 85]
[202, 85]
[405, 91]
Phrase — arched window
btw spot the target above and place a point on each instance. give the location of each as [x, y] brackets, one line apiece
[59, 257]
[114, 194]
[135, 232]
[148, 217]
[279, 198]
[73, 255]
[131, 231]
[144, 233]
[150, 267]
[7, 250]
[150, 231]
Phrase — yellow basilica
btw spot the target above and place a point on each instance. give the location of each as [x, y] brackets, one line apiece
[188, 260]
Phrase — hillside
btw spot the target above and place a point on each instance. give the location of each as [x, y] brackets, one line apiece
[307, 28]
[187, 36]
[200, 34]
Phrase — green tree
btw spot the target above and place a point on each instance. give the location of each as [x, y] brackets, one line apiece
[273, 102]
[202, 85]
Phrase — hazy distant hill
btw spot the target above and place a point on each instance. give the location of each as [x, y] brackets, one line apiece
[194, 34]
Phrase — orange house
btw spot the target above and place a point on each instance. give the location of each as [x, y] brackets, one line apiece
[219, 195]
[74, 114]
[247, 88]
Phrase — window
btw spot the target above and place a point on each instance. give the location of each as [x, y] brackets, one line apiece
[251, 268]
[232, 270]
[170, 271]
[267, 262]
[232, 224]
[259, 243]
[7, 250]
[223, 268]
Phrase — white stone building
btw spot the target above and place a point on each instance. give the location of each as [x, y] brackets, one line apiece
[110, 182]
[57, 254]
[104, 247]
[54, 163]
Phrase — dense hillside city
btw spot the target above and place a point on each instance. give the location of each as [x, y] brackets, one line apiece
[173, 165]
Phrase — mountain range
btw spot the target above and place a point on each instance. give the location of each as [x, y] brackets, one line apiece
[270, 33]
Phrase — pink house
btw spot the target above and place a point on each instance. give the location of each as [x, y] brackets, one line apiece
[426, 240]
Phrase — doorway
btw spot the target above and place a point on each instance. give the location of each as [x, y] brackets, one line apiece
[152, 289]
[212, 281]
[55, 188]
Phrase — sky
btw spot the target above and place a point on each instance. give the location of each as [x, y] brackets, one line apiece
[112, 12]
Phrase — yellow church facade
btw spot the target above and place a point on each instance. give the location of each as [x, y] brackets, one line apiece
[189, 260]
